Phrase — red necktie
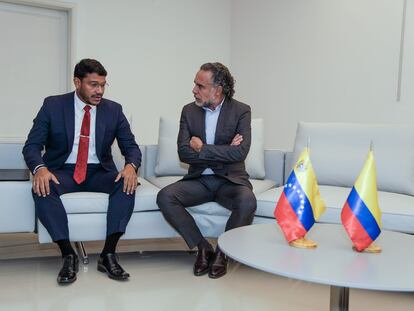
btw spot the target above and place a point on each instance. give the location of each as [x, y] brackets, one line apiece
[79, 174]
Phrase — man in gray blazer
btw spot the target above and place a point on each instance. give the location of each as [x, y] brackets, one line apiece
[214, 139]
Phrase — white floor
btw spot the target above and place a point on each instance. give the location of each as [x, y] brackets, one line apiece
[161, 280]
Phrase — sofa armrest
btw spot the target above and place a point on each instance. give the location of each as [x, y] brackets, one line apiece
[18, 212]
[274, 165]
[11, 156]
[288, 165]
[151, 153]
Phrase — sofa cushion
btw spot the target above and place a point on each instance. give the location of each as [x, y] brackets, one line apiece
[209, 208]
[266, 202]
[162, 181]
[261, 185]
[95, 202]
[338, 152]
[397, 209]
[168, 163]
[255, 158]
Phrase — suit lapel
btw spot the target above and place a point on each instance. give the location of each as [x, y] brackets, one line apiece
[222, 119]
[100, 126]
[69, 116]
[200, 119]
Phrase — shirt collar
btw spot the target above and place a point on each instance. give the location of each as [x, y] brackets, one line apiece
[79, 104]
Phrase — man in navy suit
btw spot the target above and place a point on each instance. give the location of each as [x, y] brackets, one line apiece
[77, 131]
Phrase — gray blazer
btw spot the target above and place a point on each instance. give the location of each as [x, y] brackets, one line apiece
[225, 160]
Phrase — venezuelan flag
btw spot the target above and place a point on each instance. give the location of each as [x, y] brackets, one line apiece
[361, 215]
[300, 203]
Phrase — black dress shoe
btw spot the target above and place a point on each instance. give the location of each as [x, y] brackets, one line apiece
[69, 269]
[202, 262]
[110, 265]
[218, 266]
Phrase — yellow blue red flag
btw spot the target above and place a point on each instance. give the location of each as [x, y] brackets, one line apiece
[361, 215]
[300, 203]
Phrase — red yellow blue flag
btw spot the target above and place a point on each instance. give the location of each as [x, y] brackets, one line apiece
[300, 203]
[361, 215]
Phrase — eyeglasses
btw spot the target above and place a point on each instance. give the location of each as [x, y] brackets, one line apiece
[96, 85]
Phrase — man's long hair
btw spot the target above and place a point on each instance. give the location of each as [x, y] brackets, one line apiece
[222, 77]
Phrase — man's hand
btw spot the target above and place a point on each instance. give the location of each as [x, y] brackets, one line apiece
[236, 140]
[130, 179]
[41, 182]
[196, 143]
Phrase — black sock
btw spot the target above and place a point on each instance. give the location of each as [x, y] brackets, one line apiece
[65, 247]
[204, 244]
[110, 243]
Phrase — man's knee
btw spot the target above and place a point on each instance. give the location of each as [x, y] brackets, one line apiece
[164, 198]
[54, 190]
[54, 187]
[247, 203]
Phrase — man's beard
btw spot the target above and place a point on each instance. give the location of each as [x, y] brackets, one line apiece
[86, 99]
[206, 104]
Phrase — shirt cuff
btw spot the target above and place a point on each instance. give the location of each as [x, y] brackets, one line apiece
[134, 166]
[38, 168]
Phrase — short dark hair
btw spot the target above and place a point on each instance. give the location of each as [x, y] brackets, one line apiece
[221, 76]
[88, 65]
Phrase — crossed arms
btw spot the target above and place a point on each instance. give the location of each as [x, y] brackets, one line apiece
[192, 150]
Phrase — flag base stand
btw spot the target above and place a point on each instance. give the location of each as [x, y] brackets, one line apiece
[303, 243]
[373, 248]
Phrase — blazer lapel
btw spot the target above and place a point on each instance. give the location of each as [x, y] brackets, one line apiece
[222, 119]
[69, 116]
[100, 127]
[200, 123]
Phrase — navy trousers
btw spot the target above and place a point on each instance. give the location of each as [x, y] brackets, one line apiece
[52, 214]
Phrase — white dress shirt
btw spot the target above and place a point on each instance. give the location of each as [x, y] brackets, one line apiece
[79, 113]
[211, 118]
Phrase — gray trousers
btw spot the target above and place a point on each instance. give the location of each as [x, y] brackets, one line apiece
[175, 198]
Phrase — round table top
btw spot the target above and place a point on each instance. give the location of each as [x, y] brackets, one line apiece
[333, 262]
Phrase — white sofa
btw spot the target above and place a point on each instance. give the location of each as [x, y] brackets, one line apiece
[17, 212]
[87, 211]
[338, 152]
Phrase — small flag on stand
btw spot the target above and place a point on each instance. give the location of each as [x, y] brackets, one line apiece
[361, 215]
[300, 203]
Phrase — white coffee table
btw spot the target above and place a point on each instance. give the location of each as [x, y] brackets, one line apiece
[332, 263]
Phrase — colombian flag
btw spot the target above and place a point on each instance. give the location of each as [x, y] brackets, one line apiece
[361, 215]
[300, 203]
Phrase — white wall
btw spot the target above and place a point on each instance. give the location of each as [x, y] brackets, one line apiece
[33, 58]
[408, 58]
[312, 60]
[321, 60]
[151, 50]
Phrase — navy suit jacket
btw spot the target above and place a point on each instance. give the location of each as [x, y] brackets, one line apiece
[54, 129]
